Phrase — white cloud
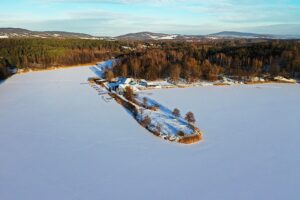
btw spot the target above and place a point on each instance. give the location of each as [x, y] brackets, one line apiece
[170, 16]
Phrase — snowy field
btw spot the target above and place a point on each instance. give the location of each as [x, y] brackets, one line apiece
[60, 140]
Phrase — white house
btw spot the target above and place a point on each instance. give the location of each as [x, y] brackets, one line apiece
[120, 85]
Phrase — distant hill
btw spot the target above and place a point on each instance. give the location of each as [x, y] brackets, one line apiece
[162, 36]
[18, 32]
[157, 36]
[233, 34]
[220, 35]
[140, 36]
[147, 36]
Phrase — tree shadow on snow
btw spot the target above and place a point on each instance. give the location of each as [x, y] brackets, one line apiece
[2, 81]
[166, 111]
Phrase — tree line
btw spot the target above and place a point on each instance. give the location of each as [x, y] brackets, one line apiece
[37, 53]
[208, 60]
[160, 59]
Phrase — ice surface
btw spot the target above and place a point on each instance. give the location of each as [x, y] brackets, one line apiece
[60, 140]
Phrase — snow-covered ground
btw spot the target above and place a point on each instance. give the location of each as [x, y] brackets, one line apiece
[60, 140]
[164, 118]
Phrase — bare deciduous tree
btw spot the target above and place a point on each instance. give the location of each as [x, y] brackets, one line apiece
[109, 75]
[146, 121]
[175, 73]
[176, 112]
[128, 93]
[190, 117]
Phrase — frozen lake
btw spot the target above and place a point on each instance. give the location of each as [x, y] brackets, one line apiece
[60, 140]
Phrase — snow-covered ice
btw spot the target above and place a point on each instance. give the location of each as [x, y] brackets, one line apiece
[60, 140]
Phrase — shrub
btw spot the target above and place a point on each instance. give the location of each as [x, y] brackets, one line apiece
[153, 108]
[180, 133]
[190, 139]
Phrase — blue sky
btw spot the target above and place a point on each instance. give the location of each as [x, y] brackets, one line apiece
[115, 17]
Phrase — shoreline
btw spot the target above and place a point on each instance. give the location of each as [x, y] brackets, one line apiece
[173, 86]
[136, 110]
[22, 71]
[220, 85]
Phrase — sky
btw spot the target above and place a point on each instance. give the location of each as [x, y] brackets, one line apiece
[117, 17]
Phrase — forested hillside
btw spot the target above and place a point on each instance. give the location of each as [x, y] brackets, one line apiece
[192, 61]
[43, 53]
[161, 59]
